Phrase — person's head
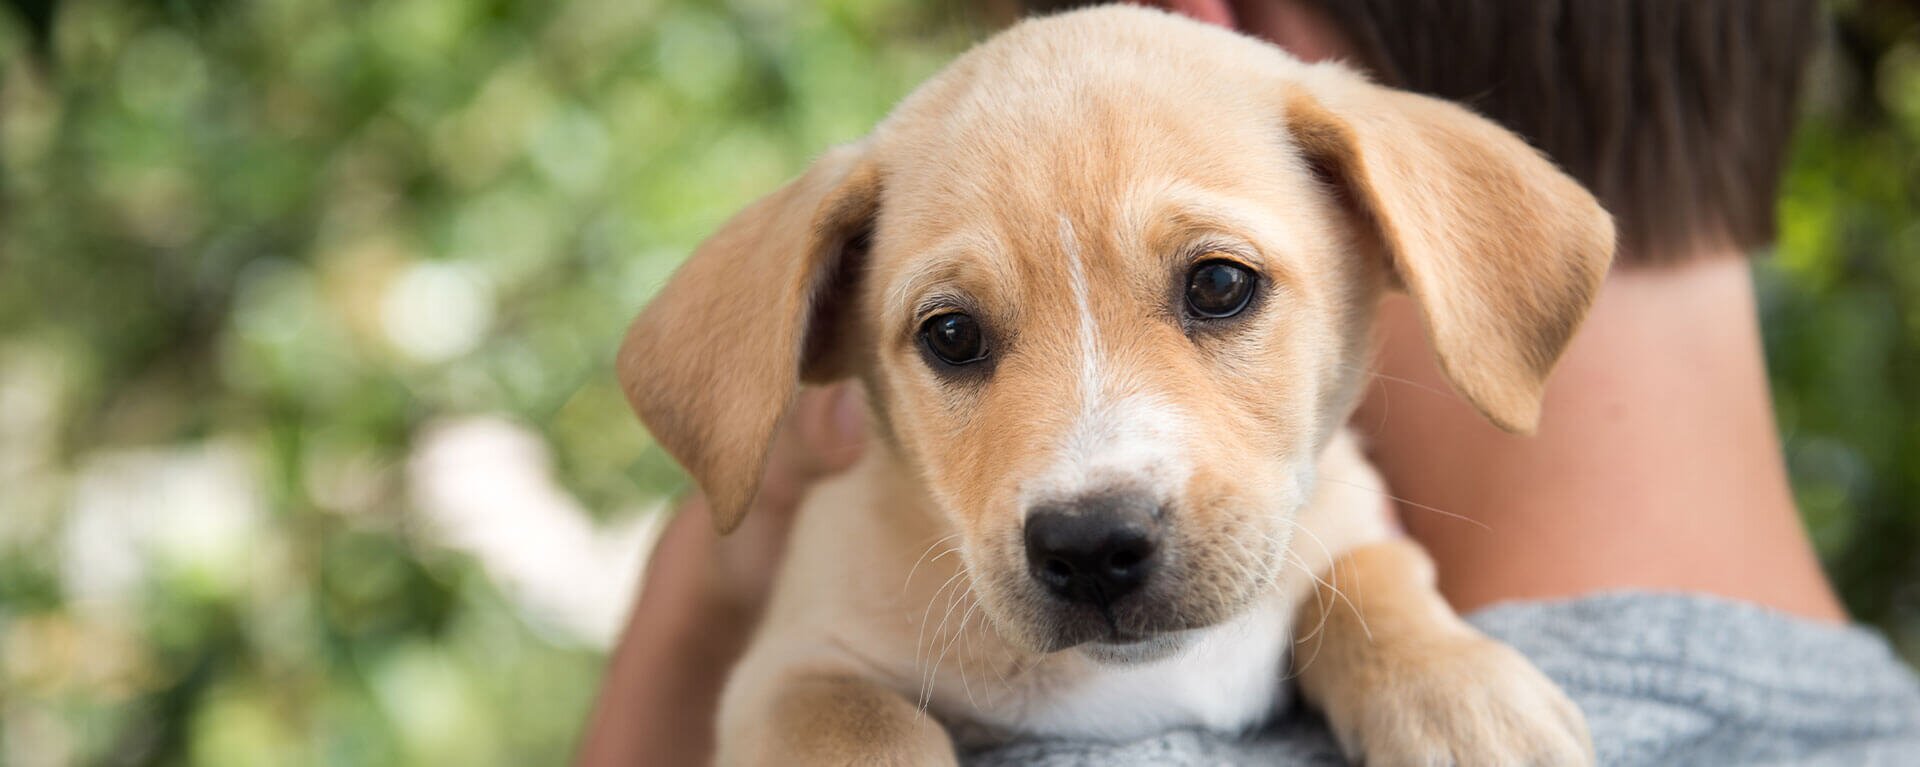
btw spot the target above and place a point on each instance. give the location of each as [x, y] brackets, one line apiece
[1675, 113]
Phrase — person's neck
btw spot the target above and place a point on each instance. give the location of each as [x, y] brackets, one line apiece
[1656, 465]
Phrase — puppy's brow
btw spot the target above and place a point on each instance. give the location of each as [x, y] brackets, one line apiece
[1227, 221]
[935, 302]
[924, 279]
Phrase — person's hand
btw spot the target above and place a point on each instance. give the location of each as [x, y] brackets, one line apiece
[703, 595]
[823, 434]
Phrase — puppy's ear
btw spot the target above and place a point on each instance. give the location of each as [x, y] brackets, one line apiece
[1501, 251]
[713, 363]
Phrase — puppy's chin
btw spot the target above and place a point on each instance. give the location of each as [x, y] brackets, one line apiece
[1158, 647]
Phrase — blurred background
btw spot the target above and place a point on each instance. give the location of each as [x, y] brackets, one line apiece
[310, 448]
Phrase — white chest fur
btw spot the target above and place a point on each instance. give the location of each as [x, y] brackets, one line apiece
[1229, 679]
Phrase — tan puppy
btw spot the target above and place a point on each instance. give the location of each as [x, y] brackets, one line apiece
[1108, 281]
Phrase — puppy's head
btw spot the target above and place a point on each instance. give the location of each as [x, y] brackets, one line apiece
[1108, 279]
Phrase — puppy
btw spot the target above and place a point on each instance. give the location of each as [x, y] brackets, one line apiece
[1108, 282]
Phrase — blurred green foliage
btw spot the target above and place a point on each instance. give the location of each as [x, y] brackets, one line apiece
[267, 244]
[255, 255]
[1840, 310]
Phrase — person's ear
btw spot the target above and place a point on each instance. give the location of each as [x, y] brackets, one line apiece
[714, 361]
[1501, 251]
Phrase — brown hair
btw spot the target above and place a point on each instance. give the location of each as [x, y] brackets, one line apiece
[1676, 114]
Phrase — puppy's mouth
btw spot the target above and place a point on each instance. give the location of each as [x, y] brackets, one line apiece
[1130, 632]
[1129, 650]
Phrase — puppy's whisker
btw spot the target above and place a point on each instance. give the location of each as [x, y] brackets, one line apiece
[1415, 504]
[1300, 665]
[1332, 581]
[1319, 599]
[1253, 566]
[960, 660]
[1325, 603]
[933, 674]
[919, 659]
[970, 649]
[1358, 614]
[927, 663]
[1340, 595]
[923, 557]
[1371, 373]
[1242, 569]
[1326, 554]
[995, 665]
[926, 616]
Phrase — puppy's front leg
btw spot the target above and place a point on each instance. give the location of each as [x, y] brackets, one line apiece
[1405, 681]
[829, 718]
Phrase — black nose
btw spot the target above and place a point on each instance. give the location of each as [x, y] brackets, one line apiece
[1094, 550]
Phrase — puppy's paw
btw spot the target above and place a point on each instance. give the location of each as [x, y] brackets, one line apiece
[1460, 700]
[828, 718]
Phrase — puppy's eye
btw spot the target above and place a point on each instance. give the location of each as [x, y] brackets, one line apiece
[954, 338]
[1218, 289]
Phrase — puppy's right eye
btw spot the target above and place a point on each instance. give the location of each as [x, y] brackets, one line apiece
[954, 338]
[1218, 289]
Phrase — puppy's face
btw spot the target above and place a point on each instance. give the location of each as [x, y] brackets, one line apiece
[1108, 279]
[1112, 349]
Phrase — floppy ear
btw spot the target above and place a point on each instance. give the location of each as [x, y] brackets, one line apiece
[713, 363]
[1501, 251]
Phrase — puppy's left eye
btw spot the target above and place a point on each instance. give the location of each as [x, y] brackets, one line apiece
[1218, 289]
[954, 338]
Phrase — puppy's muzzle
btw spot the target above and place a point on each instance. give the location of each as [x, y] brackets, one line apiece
[1095, 550]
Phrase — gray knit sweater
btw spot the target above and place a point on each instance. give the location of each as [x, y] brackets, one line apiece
[1664, 680]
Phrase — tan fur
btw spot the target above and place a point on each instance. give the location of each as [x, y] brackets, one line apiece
[871, 725]
[1057, 183]
[1404, 681]
[1465, 209]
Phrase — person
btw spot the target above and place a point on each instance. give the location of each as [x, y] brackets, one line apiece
[1656, 467]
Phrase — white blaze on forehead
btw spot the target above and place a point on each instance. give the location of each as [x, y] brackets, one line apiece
[1090, 385]
[1118, 439]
